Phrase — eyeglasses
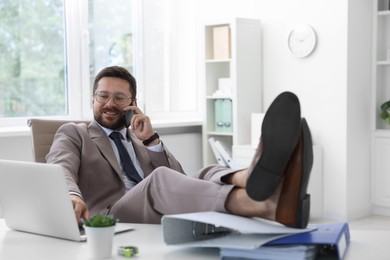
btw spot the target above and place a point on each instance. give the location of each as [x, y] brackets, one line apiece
[119, 98]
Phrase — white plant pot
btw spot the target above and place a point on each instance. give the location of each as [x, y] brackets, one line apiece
[99, 241]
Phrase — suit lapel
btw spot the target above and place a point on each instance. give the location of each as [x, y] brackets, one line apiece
[100, 138]
[141, 153]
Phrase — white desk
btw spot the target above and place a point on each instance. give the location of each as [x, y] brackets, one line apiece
[14, 245]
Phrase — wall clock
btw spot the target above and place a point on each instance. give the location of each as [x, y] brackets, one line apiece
[302, 40]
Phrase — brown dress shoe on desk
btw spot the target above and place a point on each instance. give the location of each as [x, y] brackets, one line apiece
[281, 130]
[293, 207]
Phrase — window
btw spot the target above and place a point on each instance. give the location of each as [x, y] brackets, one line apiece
[32, 58]
[52, 50]
[170, 51]
[111, 40]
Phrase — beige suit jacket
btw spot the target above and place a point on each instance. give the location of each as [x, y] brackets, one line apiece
[91, 167]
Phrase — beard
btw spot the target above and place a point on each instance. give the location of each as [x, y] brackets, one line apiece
[114, 125]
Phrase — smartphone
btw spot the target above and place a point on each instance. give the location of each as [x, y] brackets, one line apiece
[128, 115]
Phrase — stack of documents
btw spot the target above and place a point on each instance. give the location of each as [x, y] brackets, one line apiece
[254, 238]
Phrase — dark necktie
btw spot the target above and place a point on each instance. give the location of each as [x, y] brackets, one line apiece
[128, 165]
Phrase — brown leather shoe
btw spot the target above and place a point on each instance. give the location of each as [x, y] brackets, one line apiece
[281, 130]
[293, 208]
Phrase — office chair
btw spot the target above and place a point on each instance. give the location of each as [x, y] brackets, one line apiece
[42, 135]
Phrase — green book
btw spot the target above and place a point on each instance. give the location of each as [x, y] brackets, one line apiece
[219, 124]
[227, 116]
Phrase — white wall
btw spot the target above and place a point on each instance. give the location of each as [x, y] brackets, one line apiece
[16, 147]
[358, 108]
[333, 84]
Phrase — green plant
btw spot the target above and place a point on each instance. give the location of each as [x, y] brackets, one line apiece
[99, 220]
[385, 115]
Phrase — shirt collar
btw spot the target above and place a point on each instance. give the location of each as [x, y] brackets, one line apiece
[108, 131]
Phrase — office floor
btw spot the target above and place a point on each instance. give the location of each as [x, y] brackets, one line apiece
[371, 223]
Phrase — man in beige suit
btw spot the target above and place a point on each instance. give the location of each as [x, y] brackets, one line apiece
[273, 187]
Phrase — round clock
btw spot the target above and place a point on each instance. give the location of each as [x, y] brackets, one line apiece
[302, 40]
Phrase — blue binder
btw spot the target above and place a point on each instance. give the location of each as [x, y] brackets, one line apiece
[326, 241]
[332, 239]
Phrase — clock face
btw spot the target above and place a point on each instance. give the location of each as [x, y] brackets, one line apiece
[302, 41]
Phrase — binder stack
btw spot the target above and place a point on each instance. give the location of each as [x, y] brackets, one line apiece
[217, 155]
[254, 238]
[222, 154]
[327, 241]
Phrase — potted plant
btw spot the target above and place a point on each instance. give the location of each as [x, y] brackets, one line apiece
[385, 112]
[100, 233]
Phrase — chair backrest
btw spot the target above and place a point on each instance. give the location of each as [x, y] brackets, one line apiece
[42, 135]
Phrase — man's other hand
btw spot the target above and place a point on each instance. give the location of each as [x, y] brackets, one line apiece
[80, 208]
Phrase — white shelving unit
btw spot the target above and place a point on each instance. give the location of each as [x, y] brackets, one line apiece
[241, 64]
[380, 94]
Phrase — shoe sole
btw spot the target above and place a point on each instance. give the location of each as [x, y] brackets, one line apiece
[280, 133]
[293, 208]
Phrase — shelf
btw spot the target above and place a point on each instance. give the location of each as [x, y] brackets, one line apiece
[383, 63]
[382, 133]
[380, 142]
[384, 13]
[219, 134]
[217, 61]
[230, 77]
[219, 97]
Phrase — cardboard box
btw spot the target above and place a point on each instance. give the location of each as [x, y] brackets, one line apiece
[221, 42]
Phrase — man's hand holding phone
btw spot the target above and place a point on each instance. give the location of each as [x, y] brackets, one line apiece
[128, 115]
[140, 123]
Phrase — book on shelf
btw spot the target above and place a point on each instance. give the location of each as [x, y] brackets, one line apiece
[225, 153]
[223, 115]
[221, 42]
[218, 108]
[227, 115]
[217, 155]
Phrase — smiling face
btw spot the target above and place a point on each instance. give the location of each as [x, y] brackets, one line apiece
[110, 114]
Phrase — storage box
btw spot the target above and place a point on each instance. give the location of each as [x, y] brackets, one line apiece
[221, 42]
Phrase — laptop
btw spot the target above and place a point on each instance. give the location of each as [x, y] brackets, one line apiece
[34, 198]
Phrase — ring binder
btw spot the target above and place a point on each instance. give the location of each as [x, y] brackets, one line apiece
[252, 236]
[209, 231]
[216, 229]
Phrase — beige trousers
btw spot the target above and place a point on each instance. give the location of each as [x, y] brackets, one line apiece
[166, 191]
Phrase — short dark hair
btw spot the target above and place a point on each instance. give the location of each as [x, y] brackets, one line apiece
[117, 72]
